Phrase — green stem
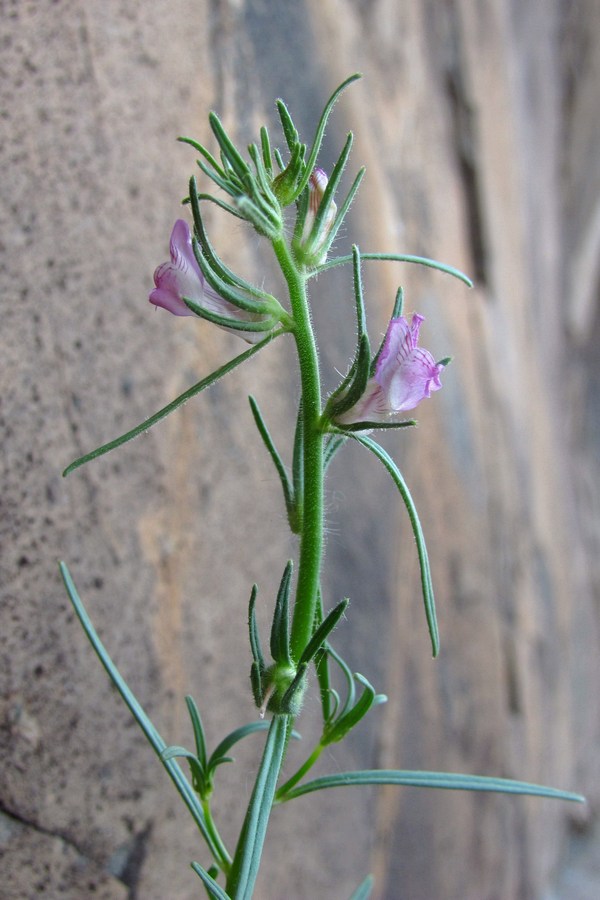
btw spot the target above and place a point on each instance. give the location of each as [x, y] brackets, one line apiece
[222, 857]
[304, 768]
[311, 536]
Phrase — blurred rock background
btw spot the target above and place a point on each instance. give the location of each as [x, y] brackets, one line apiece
[479, 126]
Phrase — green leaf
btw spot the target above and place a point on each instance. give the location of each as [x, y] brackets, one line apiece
[287, 126]
[214, 261]
[288, 492]
[159, 746]
[253, 327]
[363, 891]
[255, 647]
[280, 630]
[335, 443]
[355, 382]
[246, 861]
[237, 162]
[265, 145]
[218, 202]
[338, 730]
[341, 215]
[349, 678]
[198, 728]
[170, 407]
[174, 752]
[298, 470]
[426, 585]
[323, 632]
[214, 890]
[224, 183]
[382, 426]
[319, 134]
[205, 153]
[445, 780]
[228, 742]
[315, 236]
[322, 664]
[396, 257]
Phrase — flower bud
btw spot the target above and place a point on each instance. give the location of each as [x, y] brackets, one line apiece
[311, 248]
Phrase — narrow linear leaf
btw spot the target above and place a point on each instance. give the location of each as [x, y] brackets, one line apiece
[265, 146]
[280, 630]
[426, 585]
[173, 405]
[252, 327]
[288, 492]
[323, 632]
[332, 185]
[218, 202]
[228, 742]
[341, 215]
[287, 126]
[298, 468]
[255, 647]
[381, 426]
[320, 132]
[397, 257]
[214, 261]
[175, 752]
[246, 861]
[264, 179]
[237, 162]
[198, 729]
[335, 443]
[205, 153]
[322, 664]
[349, 677]
[345, 723]
[227, 284]
[225, 183]
[353, 386]
[444, 780]
[214, 890]
[302, 205]
[157, 743]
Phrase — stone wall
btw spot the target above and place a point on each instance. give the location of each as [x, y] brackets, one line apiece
[478, 124]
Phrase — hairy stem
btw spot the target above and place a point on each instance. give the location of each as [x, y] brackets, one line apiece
[311, 536]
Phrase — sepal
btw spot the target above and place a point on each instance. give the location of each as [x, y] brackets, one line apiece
[280, 629]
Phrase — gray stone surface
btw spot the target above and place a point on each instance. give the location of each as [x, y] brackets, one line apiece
[478, 124]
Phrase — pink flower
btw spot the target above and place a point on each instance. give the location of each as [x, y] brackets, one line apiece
[181, 277]
[404, 375]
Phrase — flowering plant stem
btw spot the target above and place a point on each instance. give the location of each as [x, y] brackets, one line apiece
[311, 536]
[376, 391]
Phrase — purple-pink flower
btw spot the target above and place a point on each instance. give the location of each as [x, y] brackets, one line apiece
[181, 277]
[404, 375]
